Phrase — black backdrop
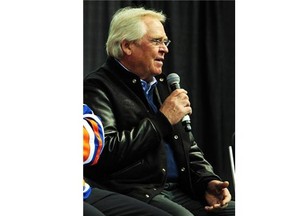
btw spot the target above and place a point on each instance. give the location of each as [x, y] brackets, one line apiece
[202, 52]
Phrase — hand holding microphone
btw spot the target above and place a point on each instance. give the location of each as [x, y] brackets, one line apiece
[176, 107]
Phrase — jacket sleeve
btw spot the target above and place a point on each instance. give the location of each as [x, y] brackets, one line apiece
[93, 137]
[124, 145]
[201, 170]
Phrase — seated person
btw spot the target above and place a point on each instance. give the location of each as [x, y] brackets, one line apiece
[148, 153]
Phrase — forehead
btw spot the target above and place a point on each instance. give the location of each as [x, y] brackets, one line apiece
[154, 27]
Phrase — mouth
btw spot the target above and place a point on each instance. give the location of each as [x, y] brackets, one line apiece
[160, 60]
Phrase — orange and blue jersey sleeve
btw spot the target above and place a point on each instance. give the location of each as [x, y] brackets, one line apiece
[93, 136]
[93, 142]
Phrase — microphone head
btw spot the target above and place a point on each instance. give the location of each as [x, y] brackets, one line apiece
[173, 78]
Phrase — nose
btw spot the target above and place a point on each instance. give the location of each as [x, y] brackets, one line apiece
[163, 48]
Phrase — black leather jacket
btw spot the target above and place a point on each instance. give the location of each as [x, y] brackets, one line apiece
[133, 161]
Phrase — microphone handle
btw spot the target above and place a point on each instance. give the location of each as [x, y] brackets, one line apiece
[175, 86]
[186, 122]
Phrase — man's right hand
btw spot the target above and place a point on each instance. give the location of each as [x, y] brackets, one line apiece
[176, 106]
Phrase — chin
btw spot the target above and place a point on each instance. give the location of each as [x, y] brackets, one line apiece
[158, 71]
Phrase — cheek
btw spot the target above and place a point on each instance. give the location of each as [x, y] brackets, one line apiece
[147, 58]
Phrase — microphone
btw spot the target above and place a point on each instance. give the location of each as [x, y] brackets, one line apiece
[173, 80]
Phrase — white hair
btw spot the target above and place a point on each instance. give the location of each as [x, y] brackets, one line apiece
[127, 24]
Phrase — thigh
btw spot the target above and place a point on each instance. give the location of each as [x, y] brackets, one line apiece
[89, 210]
[163, 201]
[115, 204]
[185, 200]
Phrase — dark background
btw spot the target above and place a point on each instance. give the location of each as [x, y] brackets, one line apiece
[202, 52]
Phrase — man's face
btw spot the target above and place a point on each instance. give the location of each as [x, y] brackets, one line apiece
[147, 57]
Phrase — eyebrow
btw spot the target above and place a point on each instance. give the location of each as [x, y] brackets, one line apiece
[160, 38]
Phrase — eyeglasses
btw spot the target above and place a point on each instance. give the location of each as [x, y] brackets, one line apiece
[157, 42]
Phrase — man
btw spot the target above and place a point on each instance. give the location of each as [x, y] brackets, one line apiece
[148, 154]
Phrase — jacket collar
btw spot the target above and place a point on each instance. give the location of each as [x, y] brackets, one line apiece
[113, 65]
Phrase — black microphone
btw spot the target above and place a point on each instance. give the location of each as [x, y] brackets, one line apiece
[173, 80]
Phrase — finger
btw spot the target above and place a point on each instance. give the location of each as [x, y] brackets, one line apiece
[187, 110]
[214, 207]
[224, 206]
[225, 184]
[190, 111]
[184, 96]
[222, 185]
[208, 208]
[177, 92]
[220, 206]
[227, 198]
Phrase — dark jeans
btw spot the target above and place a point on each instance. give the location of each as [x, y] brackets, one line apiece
[103, 202]
[178, 203]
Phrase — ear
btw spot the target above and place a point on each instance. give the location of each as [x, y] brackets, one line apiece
[126, 47]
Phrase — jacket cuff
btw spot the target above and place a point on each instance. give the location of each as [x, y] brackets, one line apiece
[202, 187]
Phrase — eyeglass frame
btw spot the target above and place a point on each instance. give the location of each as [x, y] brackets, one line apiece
[158, 41]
